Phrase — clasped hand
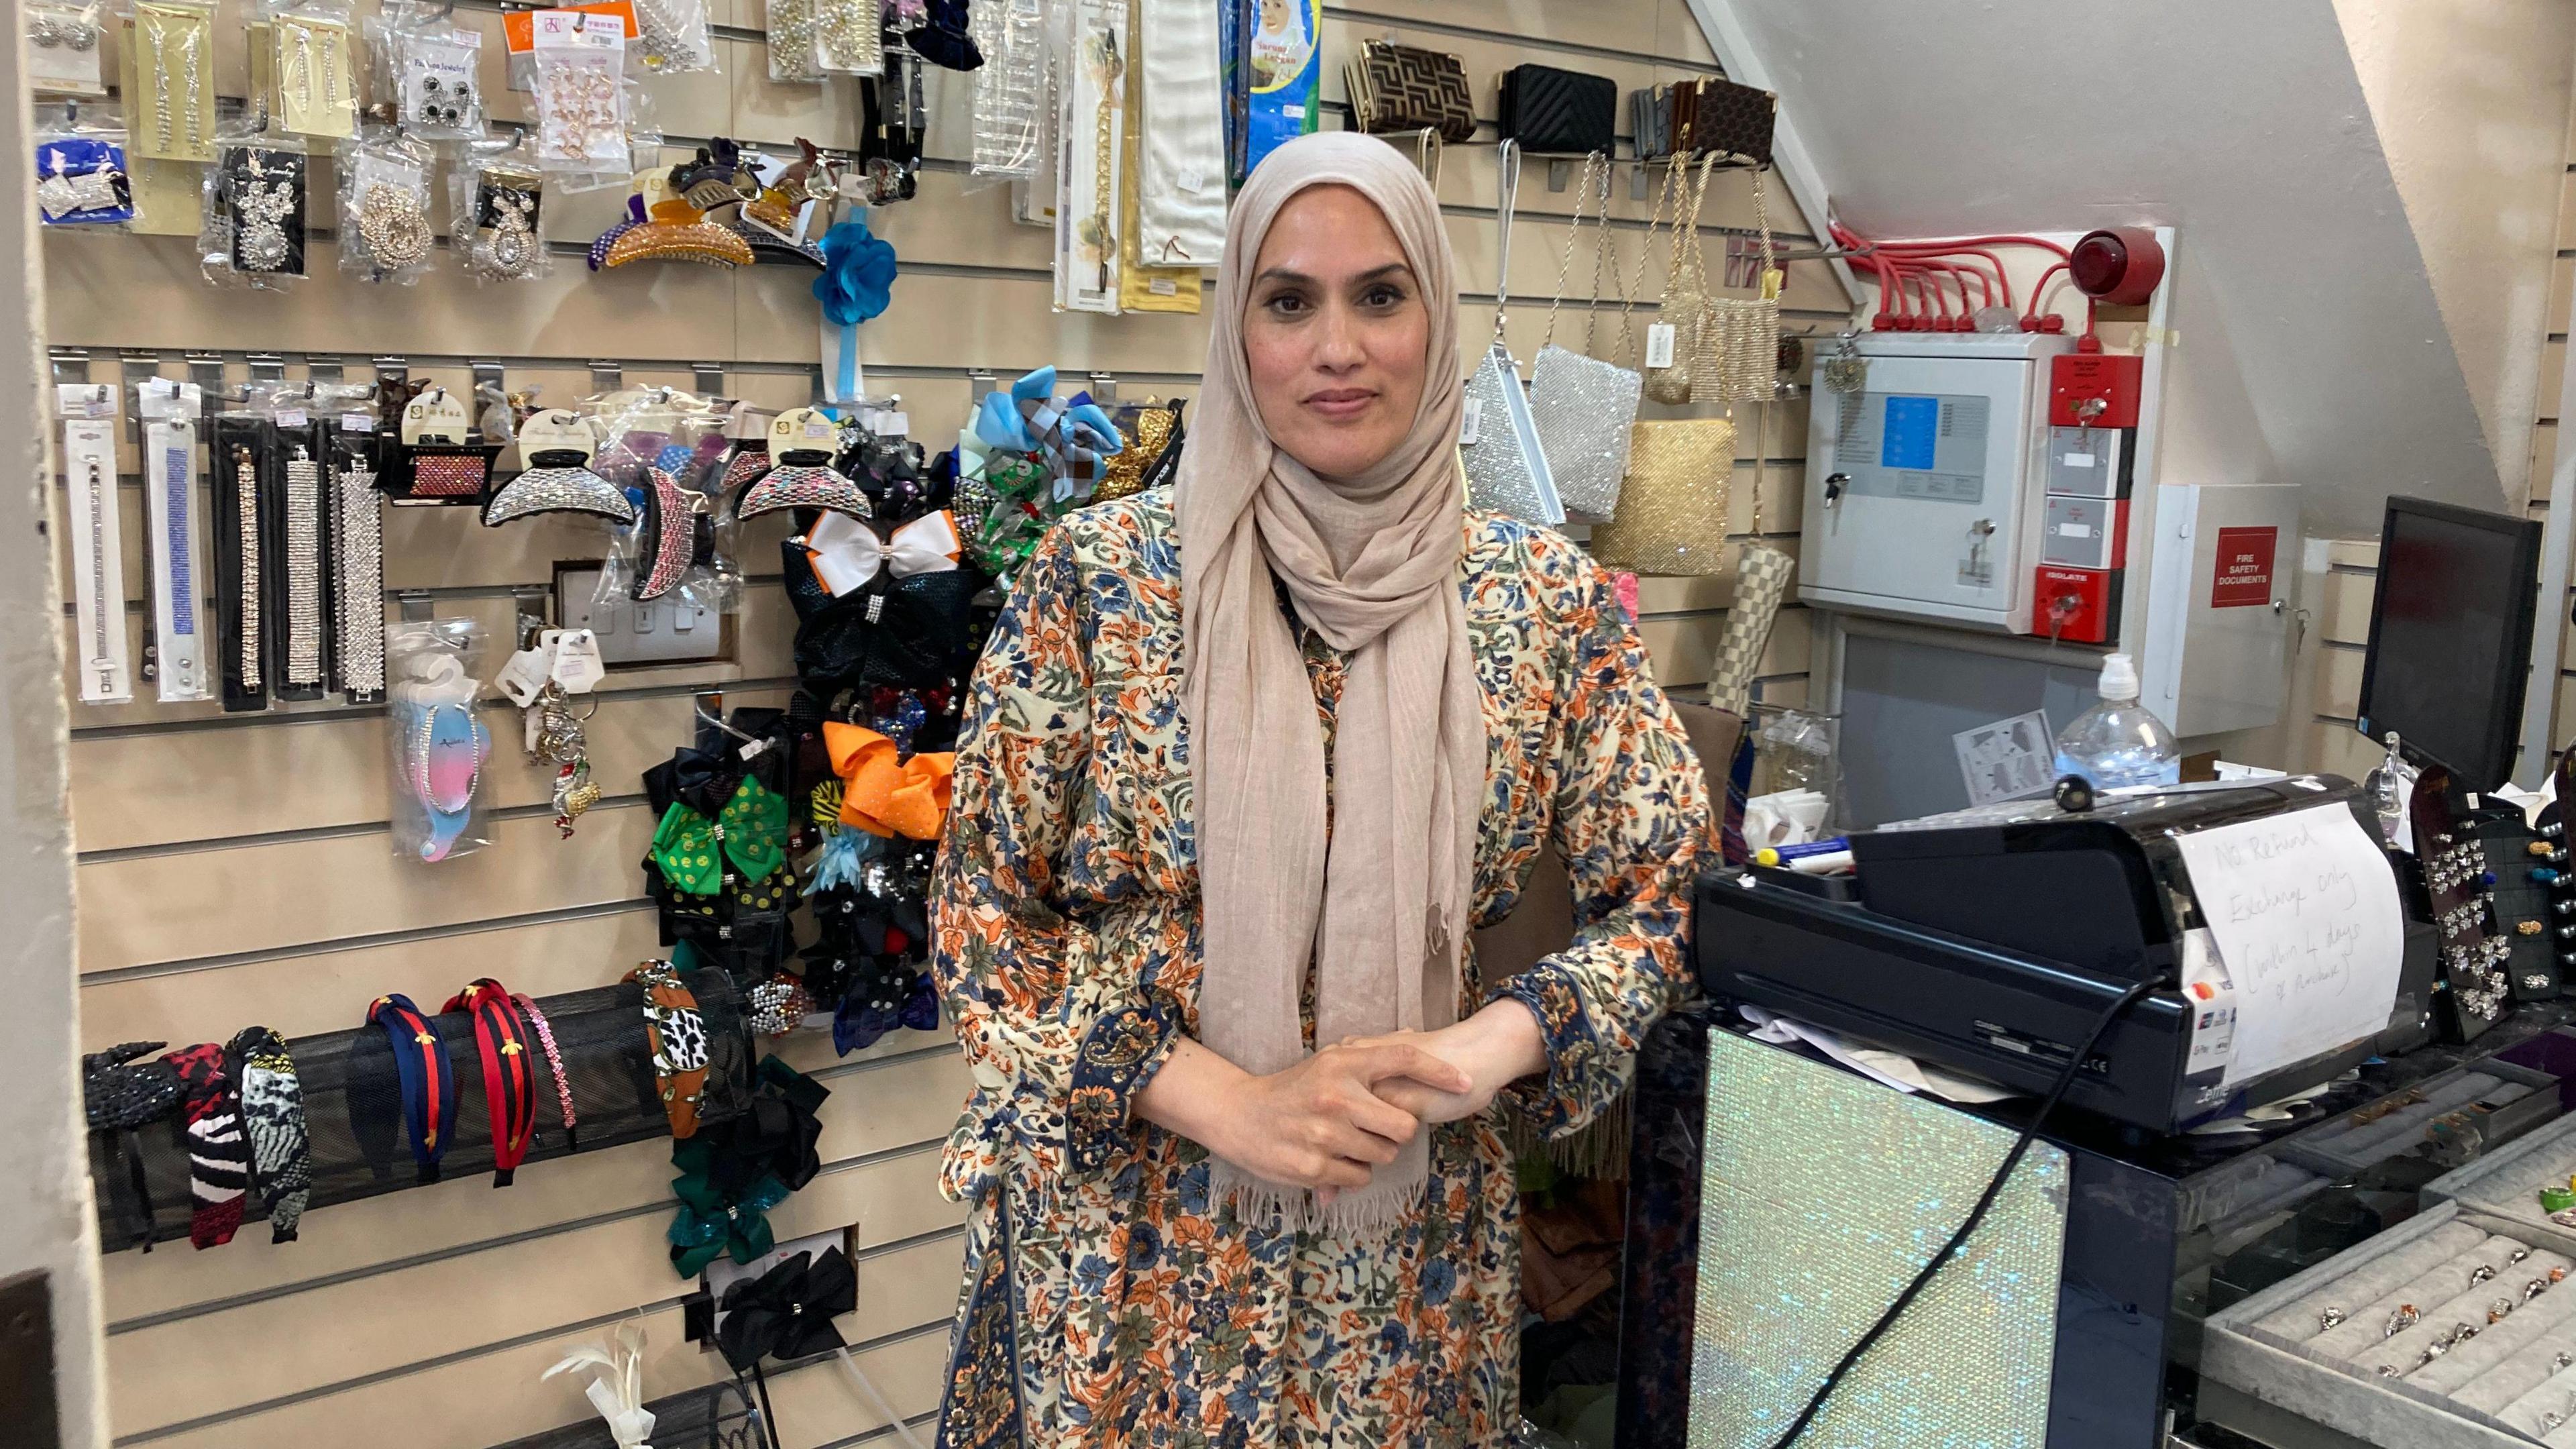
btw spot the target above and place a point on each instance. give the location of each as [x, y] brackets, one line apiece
[1331, 1120]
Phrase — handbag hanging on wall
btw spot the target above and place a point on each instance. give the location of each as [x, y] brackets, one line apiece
[1740, 361]
[1584, 406]
[1673, 506]
[1506, 464]
[1674, 346]
[1559, 112]
[1396, 88]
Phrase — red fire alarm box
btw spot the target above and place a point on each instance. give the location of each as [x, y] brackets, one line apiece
[2095, 383]
[2080, 605]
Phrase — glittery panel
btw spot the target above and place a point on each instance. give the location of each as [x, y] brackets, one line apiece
[1822, 1194]
[557, 490]
[670, 537]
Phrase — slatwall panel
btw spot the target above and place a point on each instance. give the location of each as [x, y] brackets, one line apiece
[237, 868]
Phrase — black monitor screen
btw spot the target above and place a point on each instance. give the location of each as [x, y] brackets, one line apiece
[2450, 636]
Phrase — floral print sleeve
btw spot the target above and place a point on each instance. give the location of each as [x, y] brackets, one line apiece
[1058, 1041]
[1630, 814]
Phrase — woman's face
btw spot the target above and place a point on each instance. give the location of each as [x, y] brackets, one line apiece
[1335, 333]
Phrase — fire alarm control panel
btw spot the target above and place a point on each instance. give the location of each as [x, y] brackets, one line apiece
[1927, 483]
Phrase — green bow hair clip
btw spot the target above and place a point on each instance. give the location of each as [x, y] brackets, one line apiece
[710, 1225]
[751, 830]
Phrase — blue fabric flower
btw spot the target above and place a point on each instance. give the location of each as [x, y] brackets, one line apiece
[858, 274]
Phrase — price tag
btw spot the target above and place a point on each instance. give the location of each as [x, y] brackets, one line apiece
[86, 399]
[292, 418]
[1471, 422]
[523, 674]
[894, 425]
[357, 422]
[1163, 287]
[1659, 344]
[578, 667]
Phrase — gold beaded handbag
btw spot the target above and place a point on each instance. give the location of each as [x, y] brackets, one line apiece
[1677, 347]
[1673, 506]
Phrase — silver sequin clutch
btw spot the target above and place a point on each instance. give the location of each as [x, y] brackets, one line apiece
[1583, 407]
[1507, 468]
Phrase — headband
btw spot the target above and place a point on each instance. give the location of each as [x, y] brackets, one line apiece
[218, 1163]
[121, 1094]
[509, 1079]
[679, 1039]
[272, 1110]
[420, 1063]
[554, 1067]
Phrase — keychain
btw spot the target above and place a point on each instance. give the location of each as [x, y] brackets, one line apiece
[541, 680]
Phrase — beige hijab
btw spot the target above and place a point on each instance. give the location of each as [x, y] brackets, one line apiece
[1378, 904]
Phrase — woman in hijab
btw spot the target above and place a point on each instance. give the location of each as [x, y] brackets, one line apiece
[1245, 763]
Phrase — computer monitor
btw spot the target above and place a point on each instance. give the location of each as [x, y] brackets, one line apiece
[2450, 637]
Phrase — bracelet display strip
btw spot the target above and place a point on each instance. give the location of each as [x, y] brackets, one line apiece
[303, 571]
[358, 575]
[170, 453]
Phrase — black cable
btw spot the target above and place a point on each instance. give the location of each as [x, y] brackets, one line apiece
[1976, 1215]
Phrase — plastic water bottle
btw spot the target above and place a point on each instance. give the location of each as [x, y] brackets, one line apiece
[2117, 742]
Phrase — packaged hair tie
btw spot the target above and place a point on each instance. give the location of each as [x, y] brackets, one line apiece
[436, 737]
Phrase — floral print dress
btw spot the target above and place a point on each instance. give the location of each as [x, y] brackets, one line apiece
[1107, 1301]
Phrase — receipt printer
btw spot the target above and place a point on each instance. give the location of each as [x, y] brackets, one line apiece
[1990, 940]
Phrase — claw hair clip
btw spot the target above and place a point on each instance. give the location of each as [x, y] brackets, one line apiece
[803, 441]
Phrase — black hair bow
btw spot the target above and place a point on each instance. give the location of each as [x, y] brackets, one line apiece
[787, 1312]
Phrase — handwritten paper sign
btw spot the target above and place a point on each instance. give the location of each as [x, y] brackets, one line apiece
[2304, 909]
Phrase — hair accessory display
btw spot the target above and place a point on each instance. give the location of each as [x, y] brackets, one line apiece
[429, 1094]
[557, 490]
[848, 554]
[679, 1039]
[884, 795]
[272, 1109]
[750, 832]
[675, 231]
[509, 1078]
[120, 1094]
[791, 41]
[554, 1069]
[803, 485]
[218, 1160]
[849, 36]
[439, 745]
[778, 1005]
[670, 543]
[787, 1312]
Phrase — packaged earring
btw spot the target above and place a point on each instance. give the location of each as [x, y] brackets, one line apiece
[436, 738]
[791, 41]
[580, 93]
[173, 106]
[672, 37]
[63, 51]
[849, 36]
[253, 231]
[496, 205]
[81, 177]
[384, 225]
[437, 82]
[313, 63]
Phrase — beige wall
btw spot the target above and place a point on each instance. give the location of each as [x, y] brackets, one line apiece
[236, 869]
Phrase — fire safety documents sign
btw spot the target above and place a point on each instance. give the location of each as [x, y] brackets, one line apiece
[2304, 911]
[2244, 575]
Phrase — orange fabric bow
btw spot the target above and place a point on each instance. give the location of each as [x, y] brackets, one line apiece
[882, 796]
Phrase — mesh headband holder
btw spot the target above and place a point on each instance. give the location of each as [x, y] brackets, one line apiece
[353, 1106]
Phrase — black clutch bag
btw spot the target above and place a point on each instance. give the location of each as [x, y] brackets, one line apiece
[1559, 112]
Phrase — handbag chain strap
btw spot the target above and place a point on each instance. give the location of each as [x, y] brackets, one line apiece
[1664, 196]
[1510, 190]
[1565, 262]
[1762, 220]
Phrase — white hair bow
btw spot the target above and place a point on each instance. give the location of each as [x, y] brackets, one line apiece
[847, 553]
[616, 1385]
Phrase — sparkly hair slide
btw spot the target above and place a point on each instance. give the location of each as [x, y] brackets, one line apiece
[670, 541]
[679, 232]
[804, 485]
[573, 489]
